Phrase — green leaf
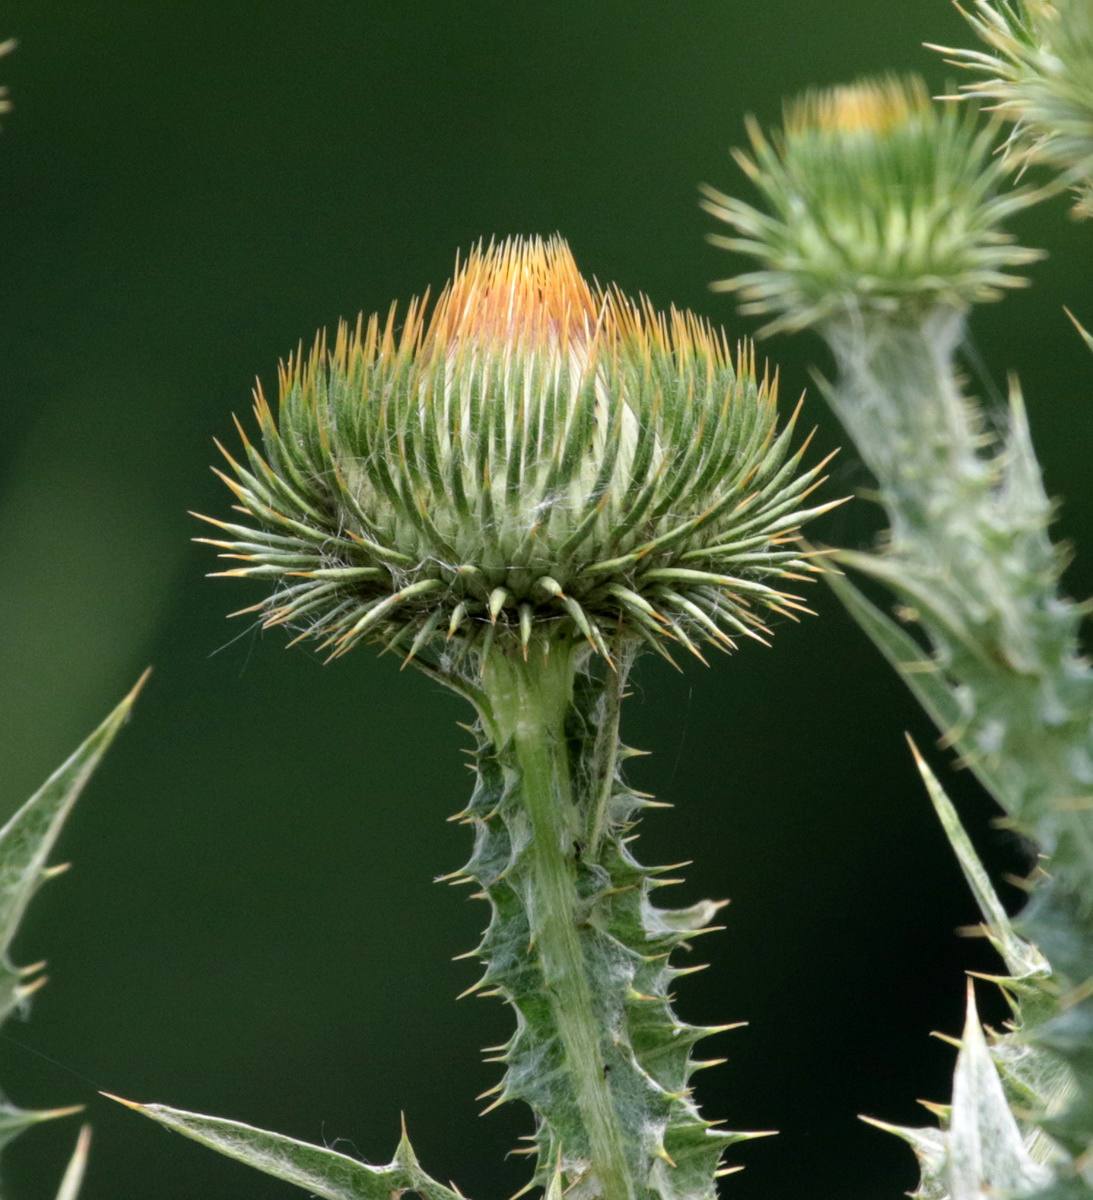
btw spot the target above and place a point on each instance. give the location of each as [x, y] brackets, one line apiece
[1022, 959]
[322, 1172]
[25, 844]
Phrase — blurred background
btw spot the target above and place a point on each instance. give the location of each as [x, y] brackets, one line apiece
[250, 928]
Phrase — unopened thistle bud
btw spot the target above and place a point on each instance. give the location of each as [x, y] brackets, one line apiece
[1038, 70]
[534, 457]
[876, 198]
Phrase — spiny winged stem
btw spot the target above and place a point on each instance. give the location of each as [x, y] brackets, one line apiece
[529, 703]
[971, 561]
[575, 944]
[886, 269]
[971, 557]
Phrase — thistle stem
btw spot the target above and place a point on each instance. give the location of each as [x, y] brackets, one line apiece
[970, 555]
[528, 702]
[970, 550]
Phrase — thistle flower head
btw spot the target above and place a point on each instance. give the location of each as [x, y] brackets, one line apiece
[535, 456]
[1038, 69]
[874, 196]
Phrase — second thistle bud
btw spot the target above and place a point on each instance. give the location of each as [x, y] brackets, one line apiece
[533, 457]
[875, 198]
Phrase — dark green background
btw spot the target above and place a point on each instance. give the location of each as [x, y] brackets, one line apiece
[188, 189]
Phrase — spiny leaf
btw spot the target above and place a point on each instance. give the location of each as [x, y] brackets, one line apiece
[25, 843]
[322, 1172]
[987, 1154]
[27, 839]
[931, 1147]
[1021, 958]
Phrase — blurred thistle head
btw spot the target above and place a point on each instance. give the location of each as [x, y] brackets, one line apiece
[535, 458]
[1038, 69]
[5, 48]
[876, 198]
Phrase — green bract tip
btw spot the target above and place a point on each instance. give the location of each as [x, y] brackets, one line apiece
[876, 197]
[533, 457]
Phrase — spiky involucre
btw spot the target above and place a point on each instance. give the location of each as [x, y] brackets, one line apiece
[876, 197]
[1038, 73]
[534, 454]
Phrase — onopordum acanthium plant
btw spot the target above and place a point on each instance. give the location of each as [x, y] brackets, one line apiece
[516, 491]
[879, 225]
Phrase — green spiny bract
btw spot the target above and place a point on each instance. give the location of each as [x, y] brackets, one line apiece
[535, 454]
[1038, 69]
[875, 198]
